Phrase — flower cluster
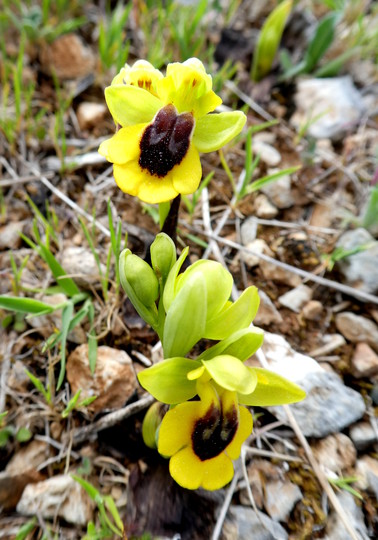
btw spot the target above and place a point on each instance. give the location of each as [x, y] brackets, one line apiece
[208, 421]
[164, 124]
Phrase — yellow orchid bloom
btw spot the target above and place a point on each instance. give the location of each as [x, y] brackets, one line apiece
[202, 438]
[165, 123]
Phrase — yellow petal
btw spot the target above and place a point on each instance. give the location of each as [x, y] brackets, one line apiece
[187, 175]
[154, 189]
[129, 177]
[124, 145]
[186, 469]
[243, 432]
[217, 472]
[176, 428]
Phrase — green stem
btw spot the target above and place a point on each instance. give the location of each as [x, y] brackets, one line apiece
[164, 208]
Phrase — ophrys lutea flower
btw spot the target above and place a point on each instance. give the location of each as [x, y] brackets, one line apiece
[202, 438]
[165, 123]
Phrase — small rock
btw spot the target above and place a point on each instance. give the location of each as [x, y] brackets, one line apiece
[80, 263]
[363, 435]
[10, 235]
[335, 105]
[335, 527]
[67, 57]
[367, 471]
[259, 246]
[268, 154]
[267, 313]
[296, 298]
[281, 275]
[248, 230]
[262, 526]
[331, 342]
[357, 329]
[279, 191]
[59, 495]
[329, 405]
[12, 486]
[90, 114]
[113, 381]
[280, 499]
[313, 310]
[264, 209]
[28, 457]
[364, 361]
[17, 379]
[335, 453]
[360, 269]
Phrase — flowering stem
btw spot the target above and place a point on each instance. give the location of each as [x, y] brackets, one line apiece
[170, 224]
[164, 208]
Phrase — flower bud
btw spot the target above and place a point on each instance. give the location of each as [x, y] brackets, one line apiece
[163, 255]
[140, 277]
[151, 423]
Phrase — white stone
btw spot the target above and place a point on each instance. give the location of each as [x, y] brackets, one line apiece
[335, 453]
[89, 114]
[363, 435]
[313, 310]
[80, 263]
[296, 298]
[367, 471]
[330, 342]
[264, 209]
[335, 528]
[10, 235]
[281, 275]
[268, 154]
[258, 246]
[280, 499]
[28, 457]
[279, 191]
[262, 526]
[335, 105]
[360, 269]
[356, 328]
[59, 495]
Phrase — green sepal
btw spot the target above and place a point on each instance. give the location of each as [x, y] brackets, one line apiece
[241, 344]
[230, 373]
[234, 316]
[271, 389]
[130, 105]
[215, 130]
[163, 256]
[167, 381]
[140, 284]
[170, 286]
[151, 423]
[186, 318]
[218, 283]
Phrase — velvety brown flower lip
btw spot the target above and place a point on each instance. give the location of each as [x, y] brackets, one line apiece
[213, 432]
[165, 141]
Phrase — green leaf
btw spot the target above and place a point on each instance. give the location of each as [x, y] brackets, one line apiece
[242, 344]
[186, 318]
[25, 305]
[269, 40]
[215, 130]
[23, 434]
[131, 105]
[235, 316]
[71, 404]
[272, 389]
[167, 381]
[66, 319]
[230, 373]
[91, 490]
[67, 283]
[322, 40]
[39, 386]
[258, 184]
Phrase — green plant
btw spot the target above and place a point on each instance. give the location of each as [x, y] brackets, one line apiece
[344, 483]
[111, 40]
[370, 217]
[74, 403]
[110, 521]
[340, 253]
[269, 40]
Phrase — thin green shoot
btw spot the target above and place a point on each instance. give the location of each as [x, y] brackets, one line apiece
[112, 48]
[40, 387]
[191, 202]
[227, 170]
[341, 253]
[74, 403]
[344, 483]
[258, 184]
[25, 530]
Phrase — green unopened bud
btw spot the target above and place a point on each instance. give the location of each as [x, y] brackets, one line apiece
[141, 285]
[163, 255]
[141, 278]
[151, 423]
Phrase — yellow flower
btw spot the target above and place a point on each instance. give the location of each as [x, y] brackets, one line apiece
[203, 437]
[165, 123]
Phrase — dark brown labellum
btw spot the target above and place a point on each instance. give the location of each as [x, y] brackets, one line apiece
[213, 432]
[165, 142]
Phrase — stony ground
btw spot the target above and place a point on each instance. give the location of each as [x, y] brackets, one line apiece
[308, 471]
